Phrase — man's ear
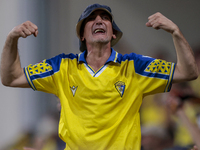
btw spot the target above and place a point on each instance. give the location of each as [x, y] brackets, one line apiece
[82, 39]
[114, 36]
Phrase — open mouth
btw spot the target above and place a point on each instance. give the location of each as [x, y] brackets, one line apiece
[99, 31]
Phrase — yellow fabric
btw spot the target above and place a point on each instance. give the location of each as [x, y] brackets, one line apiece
[100, 110]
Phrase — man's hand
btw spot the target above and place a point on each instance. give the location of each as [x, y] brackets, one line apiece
[158, 21]
[23, 30]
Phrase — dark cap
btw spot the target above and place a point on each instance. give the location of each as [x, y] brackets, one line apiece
[86, 13]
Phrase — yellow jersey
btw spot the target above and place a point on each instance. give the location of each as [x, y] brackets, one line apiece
[100, 110]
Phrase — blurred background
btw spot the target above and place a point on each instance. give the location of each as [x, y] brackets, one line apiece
[22, 111]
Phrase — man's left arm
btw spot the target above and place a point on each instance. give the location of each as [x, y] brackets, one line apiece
[186, 67]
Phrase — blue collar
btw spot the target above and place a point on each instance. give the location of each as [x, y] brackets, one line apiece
[113, 57]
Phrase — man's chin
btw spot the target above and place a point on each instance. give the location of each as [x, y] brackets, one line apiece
[102, 41]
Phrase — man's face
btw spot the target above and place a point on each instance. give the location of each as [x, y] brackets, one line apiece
[98, 28]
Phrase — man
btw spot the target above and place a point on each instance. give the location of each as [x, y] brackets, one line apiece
[100, 90]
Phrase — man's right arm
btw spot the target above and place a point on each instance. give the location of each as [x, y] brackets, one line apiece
[12, 73]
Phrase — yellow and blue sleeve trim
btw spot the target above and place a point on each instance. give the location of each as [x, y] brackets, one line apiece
[169, 83]
[29, 79]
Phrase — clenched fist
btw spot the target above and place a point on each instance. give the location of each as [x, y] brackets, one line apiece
[23, 30]
[159, 21]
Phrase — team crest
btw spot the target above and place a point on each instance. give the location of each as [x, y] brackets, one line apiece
[73, 89]
[120, 86]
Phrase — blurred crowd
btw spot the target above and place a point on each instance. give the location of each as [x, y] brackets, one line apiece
[169, 121]
[44, 136]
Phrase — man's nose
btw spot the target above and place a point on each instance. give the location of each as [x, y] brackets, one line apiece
[98, 20]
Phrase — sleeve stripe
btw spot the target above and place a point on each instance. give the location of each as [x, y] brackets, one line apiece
[168, 87]
[28, 79]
